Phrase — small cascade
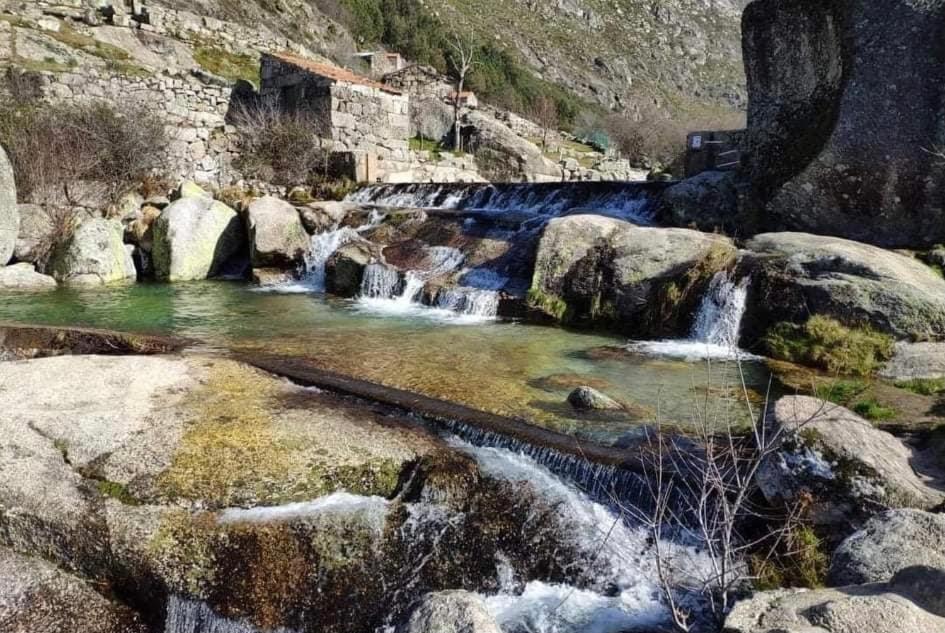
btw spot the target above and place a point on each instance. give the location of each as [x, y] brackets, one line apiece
[469, 301]
[715, 331]
[380, 282]
[323, 246]
[719, 319]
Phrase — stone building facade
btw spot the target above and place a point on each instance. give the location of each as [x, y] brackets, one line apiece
[354, 114]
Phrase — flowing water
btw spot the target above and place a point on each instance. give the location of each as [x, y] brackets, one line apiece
[503, 367]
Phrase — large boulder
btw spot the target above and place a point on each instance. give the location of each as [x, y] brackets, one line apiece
[828, 153]
[840, 464]
[277, 238]
[707, 202]
[895, 607]
[915, 361]
[9, 214]
[451, 612]
[36, 597]
[795, 275]
[322, 216]
[194, 238]
[645, 281]
[95, 254]
[36, 228]
[513, 157]
[344, 270]
[23, 276]
[887, 544]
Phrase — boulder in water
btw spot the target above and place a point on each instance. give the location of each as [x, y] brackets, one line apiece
[194, 238]
[450, 612]
[646, 281]
[344, 270]
[842, 462]
[276, 236]
[590, 399]
[9, 213]
[322, 216]
[94, 255]
[23, 276]
[795, 275]
[887, 544]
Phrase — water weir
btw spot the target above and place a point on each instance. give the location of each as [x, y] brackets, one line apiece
[628, 200]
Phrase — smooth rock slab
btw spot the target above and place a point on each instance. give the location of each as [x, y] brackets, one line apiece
[912, 361]
[851, 468]
[795, 275]
[888, 544]
[24, 277]
[35, 229]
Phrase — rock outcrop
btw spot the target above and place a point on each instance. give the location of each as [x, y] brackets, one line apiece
[194, 238]
[849, 469]
[512, 156]
[344, 270]
[828, 153]
[451, 612]
[9, 214]
[887, 544]
[795, 275]
[646, 281]
[23, 276]
[36, 597]
[277, 238]
[912, 361]
[903, 604]
[707, 202]
[94, 255]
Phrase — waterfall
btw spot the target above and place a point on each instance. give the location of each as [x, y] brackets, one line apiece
[322, 247]
[715, 331]
[379, 282]
[619, 585]
[719, 319]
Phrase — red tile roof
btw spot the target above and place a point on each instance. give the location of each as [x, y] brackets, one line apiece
[336, 73]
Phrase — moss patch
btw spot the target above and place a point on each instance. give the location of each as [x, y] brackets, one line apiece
[117, 491]
[826, 343]
[873, 410]
[228, 65]
[552, 305]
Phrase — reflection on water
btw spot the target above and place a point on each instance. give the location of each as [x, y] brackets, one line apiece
[507, 368]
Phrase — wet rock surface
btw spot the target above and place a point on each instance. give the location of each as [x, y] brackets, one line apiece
[9, 213]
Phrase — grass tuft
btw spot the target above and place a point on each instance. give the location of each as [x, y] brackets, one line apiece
[826, 343]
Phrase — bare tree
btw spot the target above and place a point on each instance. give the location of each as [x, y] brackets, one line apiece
[463, 60]
[704, 489]
[544, 112]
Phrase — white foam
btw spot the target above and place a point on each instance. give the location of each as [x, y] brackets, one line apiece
[335, 503]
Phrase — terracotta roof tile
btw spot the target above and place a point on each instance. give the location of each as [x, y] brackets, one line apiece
[332, 72]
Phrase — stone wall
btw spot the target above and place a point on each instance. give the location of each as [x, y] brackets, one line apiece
[356, 117]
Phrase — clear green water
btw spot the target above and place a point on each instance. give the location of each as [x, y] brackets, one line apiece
[507, 368]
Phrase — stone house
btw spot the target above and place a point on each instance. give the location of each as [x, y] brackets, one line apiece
[420, 81]
[367, 120]
[383, 63]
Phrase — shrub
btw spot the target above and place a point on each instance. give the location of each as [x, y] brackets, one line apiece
[923, 386]
[73, 155]
[826, 343]
[801, 562]
[280, 147]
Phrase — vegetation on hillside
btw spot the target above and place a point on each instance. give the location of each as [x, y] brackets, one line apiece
[409, 28]
[828, 344]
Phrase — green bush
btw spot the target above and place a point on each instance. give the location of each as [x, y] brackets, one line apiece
[826, 343]
[409, 28]
[873, 410]
[923, 386]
